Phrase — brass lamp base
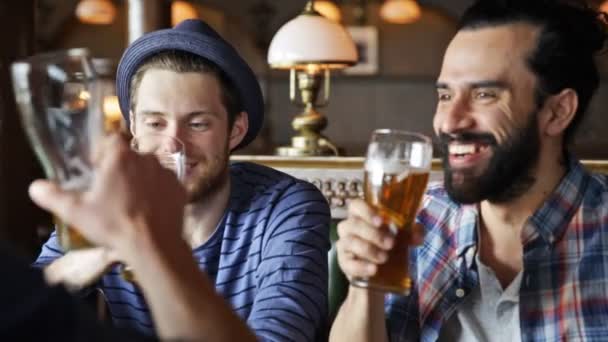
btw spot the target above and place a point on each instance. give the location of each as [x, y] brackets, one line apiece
[308, 146]
[308, 140]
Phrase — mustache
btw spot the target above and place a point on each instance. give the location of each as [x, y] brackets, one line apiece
[467, 137]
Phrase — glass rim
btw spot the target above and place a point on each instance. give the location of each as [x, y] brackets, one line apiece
[72, 52]
[386, 131]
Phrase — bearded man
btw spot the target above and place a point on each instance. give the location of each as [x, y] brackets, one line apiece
[260, 236]
[516, 236]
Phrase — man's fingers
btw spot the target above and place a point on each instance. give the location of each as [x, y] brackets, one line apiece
[353, 266]
[115, 163]
[78, 269]
[358, 268]
[381, 238]
[110, 145]
[42, 192]
[362, 249]
[358, 208]
[49, 196]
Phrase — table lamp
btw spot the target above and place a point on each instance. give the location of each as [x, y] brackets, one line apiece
[310, 46]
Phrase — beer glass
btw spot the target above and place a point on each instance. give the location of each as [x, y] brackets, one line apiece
[397, 169]
[169, 150]
[171, 153]
[61, 112]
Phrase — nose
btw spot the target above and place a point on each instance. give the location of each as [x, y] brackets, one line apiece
[454, 116]
[171, 141]
[171, 145]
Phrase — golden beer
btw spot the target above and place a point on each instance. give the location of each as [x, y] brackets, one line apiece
[396, 197]
[69, 238]
[397, 167]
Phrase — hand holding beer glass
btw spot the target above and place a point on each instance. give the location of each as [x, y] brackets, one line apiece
[397, 169]
[59, 99]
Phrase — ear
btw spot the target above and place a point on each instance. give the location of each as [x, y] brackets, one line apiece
[239, 129]
[132, 122]
[561, 109]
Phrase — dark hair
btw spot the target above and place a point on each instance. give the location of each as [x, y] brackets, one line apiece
[181, 61]
[571, 35]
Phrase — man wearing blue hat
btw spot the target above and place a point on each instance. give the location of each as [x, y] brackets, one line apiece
[260, 236]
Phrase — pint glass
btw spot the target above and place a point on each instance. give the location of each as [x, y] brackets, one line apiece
[61, 111]
[397, 169]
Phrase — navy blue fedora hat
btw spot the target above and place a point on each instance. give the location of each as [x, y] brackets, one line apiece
[196, 37]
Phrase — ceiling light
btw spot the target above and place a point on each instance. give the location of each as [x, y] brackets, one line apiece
[400, 11]
[98, 12]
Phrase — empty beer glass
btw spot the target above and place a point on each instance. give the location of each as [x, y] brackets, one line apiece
[397, 168]
[59, 99]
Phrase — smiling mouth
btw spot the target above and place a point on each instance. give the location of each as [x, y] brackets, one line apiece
[463, 150]
[466, 154]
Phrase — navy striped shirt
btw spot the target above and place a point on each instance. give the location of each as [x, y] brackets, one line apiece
[267, 257]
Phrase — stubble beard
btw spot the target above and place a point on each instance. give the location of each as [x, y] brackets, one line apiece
[209, 177]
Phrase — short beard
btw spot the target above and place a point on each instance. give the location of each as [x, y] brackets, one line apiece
[508, 174]
[210, 178]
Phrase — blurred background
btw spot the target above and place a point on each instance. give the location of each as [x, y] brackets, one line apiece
[393, 87]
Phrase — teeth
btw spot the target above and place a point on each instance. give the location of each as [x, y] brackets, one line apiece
[462, 149]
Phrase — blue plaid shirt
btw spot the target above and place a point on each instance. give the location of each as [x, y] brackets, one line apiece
[564, 289]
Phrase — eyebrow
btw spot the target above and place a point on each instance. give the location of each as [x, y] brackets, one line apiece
[477, 84]
[488, 84]
[155, 113]
[151, 113]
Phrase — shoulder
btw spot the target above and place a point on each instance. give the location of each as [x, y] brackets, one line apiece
[596, 194]
[250, 174]
[598, 182]
[256, 171]
[267, 198]
[263, 179]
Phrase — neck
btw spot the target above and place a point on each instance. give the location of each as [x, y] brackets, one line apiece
[509, 218]
[202, 217]
[501, 224]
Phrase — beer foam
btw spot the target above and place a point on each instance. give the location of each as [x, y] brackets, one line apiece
[385, 165]
[419, 157]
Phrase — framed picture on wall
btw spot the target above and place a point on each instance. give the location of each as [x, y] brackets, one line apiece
[366, 40]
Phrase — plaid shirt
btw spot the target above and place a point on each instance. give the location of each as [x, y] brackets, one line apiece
[564, 288]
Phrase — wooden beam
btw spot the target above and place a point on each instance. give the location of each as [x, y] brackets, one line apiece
[147, 15]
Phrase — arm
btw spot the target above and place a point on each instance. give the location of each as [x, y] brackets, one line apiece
[183, 302]
[123, 212]
[292, 304]
[367, 315]
[361, 317]
[361, 248]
